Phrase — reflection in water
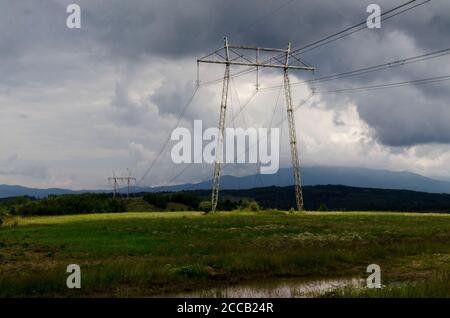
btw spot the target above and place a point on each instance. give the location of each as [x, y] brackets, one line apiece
[278, 289]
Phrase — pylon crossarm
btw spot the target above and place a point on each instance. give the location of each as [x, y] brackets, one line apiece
[304, 68]
[116, 181]
[254, 48]
[236, 55]
[211, 54]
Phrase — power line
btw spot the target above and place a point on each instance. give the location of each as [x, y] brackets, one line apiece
[278, 124]
[328, 39]
[367, 88]
[225, 165]
[361, 26]
[391, 85]
[180, 116]
[241, 109]
[243, 106]
[373, 68]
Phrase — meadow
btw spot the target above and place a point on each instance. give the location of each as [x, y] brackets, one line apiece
[158, 253]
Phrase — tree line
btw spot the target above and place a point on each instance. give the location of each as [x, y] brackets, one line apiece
[62, 205]
[104, 203]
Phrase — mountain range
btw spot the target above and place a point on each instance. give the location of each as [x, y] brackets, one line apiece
[312, 175]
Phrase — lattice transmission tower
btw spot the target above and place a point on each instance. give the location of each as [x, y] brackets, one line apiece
[116, 180]
[274, 58]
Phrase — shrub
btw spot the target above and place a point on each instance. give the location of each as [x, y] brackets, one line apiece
[254, 206]
[248, 205]
[205, 206]
[323, 207]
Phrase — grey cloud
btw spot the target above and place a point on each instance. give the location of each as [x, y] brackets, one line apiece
[40, 56]
[124, 110]
[12, 166]
[406, 117]
[172, 96]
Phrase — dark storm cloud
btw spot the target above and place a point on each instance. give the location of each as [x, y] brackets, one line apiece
[191, 28]
[171, 28]
[405, 117]
[133, 31]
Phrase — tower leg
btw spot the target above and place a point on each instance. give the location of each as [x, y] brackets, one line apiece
[219, 148]
[293, 142]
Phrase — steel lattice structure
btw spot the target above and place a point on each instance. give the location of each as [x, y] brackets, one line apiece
[236, 55]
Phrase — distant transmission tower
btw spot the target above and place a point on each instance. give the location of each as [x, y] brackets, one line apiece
[235, 55]
[116, 181]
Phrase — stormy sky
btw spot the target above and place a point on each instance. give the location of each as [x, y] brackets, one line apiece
[78, 104]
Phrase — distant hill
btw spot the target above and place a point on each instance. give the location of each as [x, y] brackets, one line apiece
[317, 175]
[18, 191]
[354, 177]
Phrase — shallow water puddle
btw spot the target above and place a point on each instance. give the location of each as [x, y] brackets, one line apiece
[286, 288]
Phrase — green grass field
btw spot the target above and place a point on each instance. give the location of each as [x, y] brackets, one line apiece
[150, 254]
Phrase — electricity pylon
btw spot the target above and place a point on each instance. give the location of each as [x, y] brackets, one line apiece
[116, 181]
[233, 55]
